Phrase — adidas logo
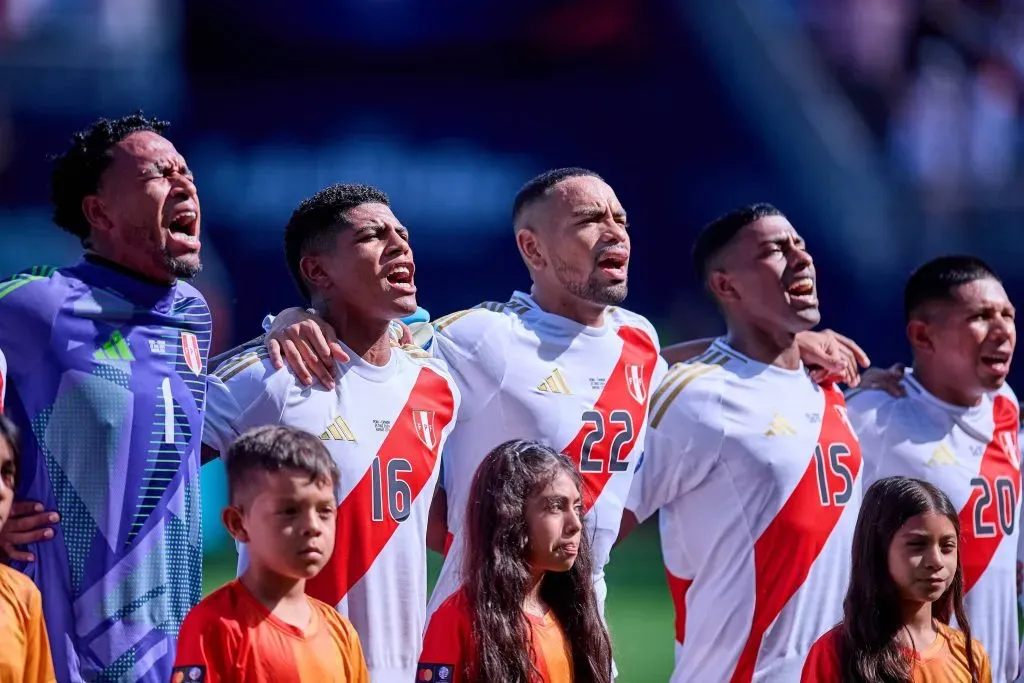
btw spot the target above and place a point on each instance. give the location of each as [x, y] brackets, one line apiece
[338, 431]
[943, 455]
[779, 426]
[554, 384]
[116, 348]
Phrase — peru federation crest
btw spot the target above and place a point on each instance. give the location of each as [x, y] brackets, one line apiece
[635, 382]
[190, 350]
[423, 421]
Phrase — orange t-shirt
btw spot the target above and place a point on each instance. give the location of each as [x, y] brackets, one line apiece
[945, 660]
[447, 645]
[230, 636]
[25, 650]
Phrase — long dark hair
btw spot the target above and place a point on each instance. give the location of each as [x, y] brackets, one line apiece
[870, 651]
[497, 572]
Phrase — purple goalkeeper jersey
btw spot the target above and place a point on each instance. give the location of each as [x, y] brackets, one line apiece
[107, 380]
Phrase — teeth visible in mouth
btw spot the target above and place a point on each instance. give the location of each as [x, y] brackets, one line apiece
[400, 274]
[802, 286]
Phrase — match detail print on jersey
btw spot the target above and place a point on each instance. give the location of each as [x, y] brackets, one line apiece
[371, 512]
[786, 550]
[990, 513]
[608, 435]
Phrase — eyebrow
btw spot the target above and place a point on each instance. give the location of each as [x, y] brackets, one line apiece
[596, 212]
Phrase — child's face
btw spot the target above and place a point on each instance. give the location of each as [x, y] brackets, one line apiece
[554, 521]
[287, 522]
[7, 472]
[923, 557]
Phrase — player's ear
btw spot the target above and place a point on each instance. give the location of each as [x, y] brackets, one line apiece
[720, 284]
[231, 516]
[312, 268]
[919, 335]
[530, 248]
[95, 212]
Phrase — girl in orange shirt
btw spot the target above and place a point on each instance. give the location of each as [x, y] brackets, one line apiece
[905, 583]
[526, 612]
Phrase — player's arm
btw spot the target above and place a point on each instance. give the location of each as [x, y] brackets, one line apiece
[437, 521]
[243, 393]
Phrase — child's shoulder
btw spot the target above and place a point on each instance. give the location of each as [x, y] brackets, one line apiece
[958, 643]
[222, 607]
[18, 588]
[336, 621]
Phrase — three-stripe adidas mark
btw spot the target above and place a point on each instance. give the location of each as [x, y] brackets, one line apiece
[115, 348]
[338, 431]
[555, 384]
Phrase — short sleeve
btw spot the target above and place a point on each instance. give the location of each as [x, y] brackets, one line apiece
[39, 660]
[683, 443]
[822, 663]
[352, 652]
[244, 392]
[202, 644]
[446, 643]
[472, 344]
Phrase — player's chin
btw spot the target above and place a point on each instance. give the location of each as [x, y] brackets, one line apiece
[401, 304]
[184, 267]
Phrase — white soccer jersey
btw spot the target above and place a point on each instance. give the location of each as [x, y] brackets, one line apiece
[971, 454]
[528, 374]
[385, 427]
[756, 472]
[3, 381]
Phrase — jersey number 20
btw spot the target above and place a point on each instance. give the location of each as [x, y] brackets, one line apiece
[1004, 501]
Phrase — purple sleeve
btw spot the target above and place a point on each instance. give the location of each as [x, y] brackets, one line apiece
[28, 307]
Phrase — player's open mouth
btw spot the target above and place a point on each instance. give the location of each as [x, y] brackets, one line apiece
[803, 286]
[184, 229]
[998, 362]
[400, 277]
[613, 263]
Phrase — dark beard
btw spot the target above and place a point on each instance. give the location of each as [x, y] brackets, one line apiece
[181, 268]
[591, 290]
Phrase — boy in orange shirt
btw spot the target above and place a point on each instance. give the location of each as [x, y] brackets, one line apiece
[262, 627]
[25, 651]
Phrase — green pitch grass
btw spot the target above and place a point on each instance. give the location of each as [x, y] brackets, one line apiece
[639, 609]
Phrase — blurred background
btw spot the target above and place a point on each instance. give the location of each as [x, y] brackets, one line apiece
[888, 130]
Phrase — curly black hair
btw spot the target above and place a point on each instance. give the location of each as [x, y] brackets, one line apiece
[315, 222]
[76, 172]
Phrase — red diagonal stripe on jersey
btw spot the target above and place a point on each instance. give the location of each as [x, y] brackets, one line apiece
[786, 550]
[359, 539]
[637, 350]
[987, 502]
[677, 588]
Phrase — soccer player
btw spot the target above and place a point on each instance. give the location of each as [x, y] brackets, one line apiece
[754, 467]
[262, 627]
[107, 384]
[384, 422]
[3, 381]
[563, 365]
[957, 428]
[25, 655]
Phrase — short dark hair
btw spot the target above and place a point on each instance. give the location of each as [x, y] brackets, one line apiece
[274, 448]
[714, 236]
[538, 186]
[938, 280]
[9, 433]
[318, 219]
[77, 171]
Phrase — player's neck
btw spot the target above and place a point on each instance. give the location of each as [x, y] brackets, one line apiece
[283, 596]
[918, 625]
[936, 382]
[778, 348]
[563, 304]
[112, 262]
[368, 339]
[533, 603]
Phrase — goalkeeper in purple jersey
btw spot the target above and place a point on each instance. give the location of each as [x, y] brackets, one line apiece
[107, 379]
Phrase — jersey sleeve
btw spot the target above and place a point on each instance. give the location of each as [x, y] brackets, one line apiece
[472, 344]
[203, 643]
[351, 651]
[3, 380]
[39, 660]
[445, 644]
[684, 441]
[245, 391]
[822, 663]
[28, 307]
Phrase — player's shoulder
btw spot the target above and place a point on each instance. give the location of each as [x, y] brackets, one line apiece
[416, 357]
[621, 317]
[247, 366]
[19, 587]
[866, 400]
[1007, 391]
[482, 318]
[692, 387]
[38, 284]
[185, 293]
